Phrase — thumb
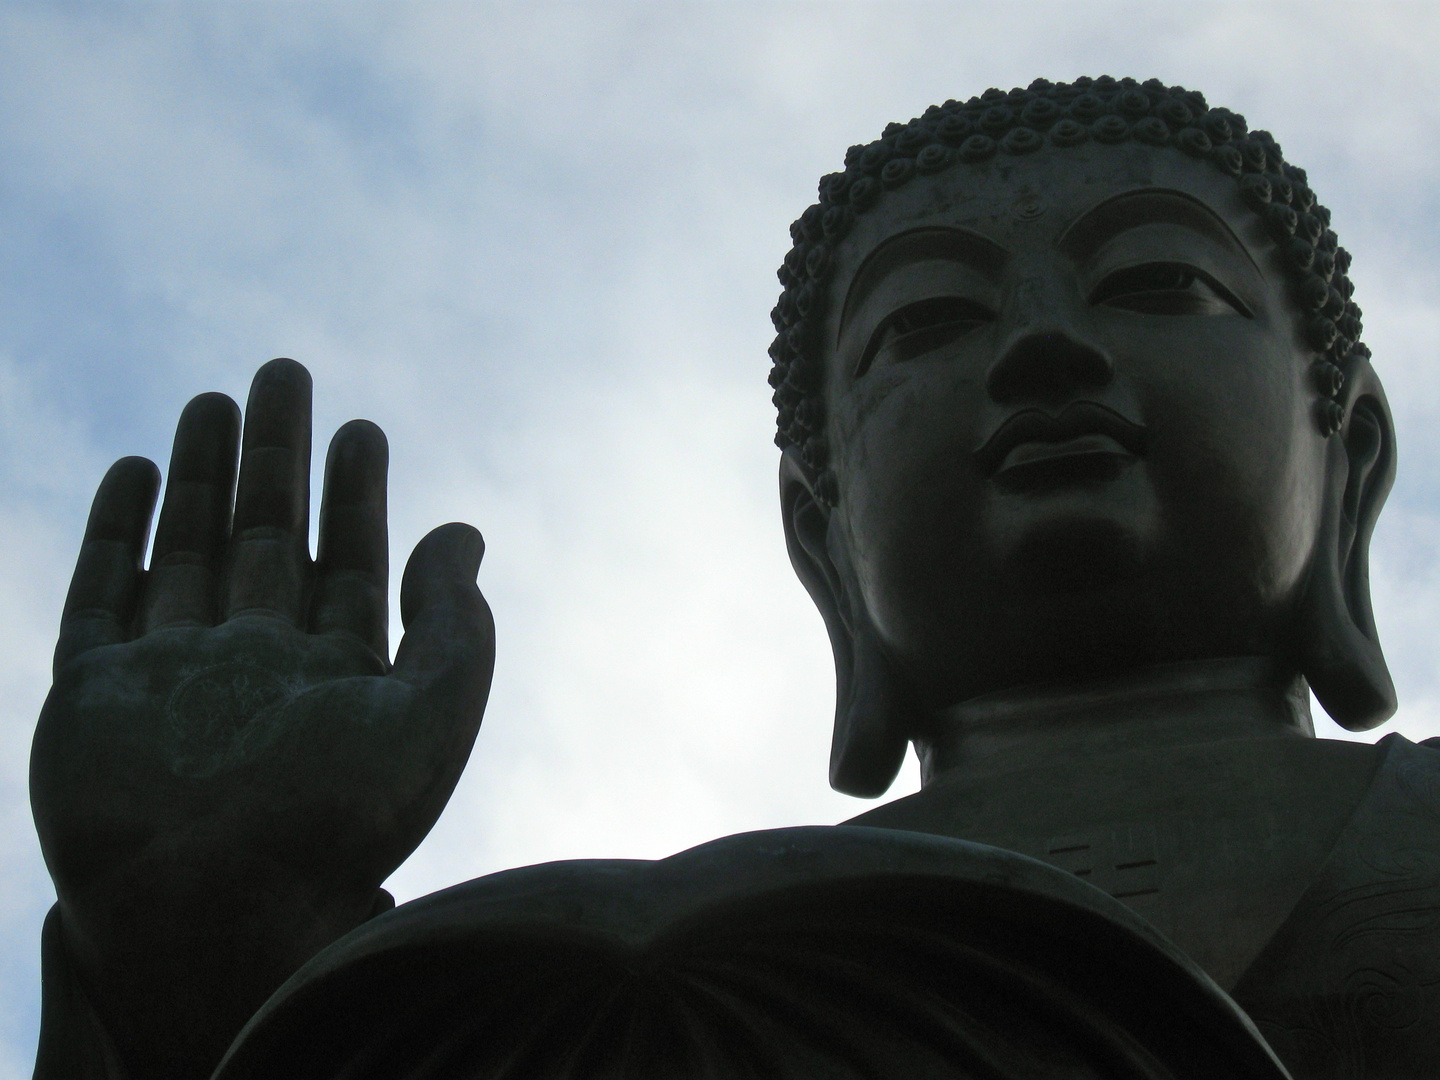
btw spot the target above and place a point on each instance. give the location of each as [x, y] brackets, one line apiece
[449, 632]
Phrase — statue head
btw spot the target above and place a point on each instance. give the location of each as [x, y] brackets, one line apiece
[1070, 384]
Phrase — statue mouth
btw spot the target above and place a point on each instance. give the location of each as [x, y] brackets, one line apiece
[1086, 442]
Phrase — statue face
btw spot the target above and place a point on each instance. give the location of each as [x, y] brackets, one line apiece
[1071, 419]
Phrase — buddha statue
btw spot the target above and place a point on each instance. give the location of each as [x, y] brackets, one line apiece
[1081, 453]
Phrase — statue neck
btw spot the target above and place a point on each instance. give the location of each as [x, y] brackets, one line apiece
[1169, 705]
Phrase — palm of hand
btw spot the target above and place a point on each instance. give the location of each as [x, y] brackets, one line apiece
[235, 738]
[225, 727]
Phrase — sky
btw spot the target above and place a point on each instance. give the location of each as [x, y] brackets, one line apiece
[536, 243]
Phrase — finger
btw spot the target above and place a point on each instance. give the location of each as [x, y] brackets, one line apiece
[353, 560]
[107, 575]
[269, 553]
[195, 516]
[448, 651]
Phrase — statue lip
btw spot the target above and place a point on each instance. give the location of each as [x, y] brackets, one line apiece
[1083, 429]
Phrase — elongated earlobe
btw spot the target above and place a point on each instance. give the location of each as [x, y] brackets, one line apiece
[872, 728]
[872, 722]
[1339, 647]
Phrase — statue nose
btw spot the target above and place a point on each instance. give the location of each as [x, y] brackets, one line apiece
[1048, 366]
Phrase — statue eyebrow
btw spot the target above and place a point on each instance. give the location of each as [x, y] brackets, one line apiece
[1149, 206]
[927, 242]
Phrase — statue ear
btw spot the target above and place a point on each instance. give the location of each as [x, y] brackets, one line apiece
[1339, 648]
[871, 724]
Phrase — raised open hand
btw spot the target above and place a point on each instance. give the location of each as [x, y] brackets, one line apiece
[228, 765]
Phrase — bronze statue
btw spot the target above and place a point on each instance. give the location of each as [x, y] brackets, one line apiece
[1081, 454]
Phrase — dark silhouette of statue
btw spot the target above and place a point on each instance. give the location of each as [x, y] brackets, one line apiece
[1081, 454]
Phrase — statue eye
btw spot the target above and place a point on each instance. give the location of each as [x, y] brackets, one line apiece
[1166, 289]
[923, 326]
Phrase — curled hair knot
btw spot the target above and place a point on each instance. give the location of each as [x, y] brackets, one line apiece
[874, 157]
[836, 222]
[897, 171]
[933, 158]
[1281, 219]
[1194, 142]
[996, 120]
[1174, 112]
[834, 187]
[1302, 255]
[1329, 378]
[1228, 159]
[1133, 103]
[810, 222]
[864, 192]
[955, 129]
[912, 138]
[1022, 140]
[1110, 129]
[1217, 126]
[1040, 113]
[1323, 332]
[1069, 133]
[1151, 130]
[977, 148]
[1256, 189]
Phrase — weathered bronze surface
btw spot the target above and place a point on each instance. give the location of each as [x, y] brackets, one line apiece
[1081, 454]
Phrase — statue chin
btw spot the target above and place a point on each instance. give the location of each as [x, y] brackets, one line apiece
[1078, 554]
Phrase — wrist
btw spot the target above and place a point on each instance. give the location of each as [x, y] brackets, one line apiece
[171, 975]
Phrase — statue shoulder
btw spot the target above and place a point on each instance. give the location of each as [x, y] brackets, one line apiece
[1407, 789]
[1348, 986]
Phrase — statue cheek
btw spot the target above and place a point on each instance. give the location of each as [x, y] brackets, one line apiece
[1294, 527]
[916, 544]
[1240, 480]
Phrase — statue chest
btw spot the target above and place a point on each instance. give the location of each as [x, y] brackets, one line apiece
[1213, 845]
